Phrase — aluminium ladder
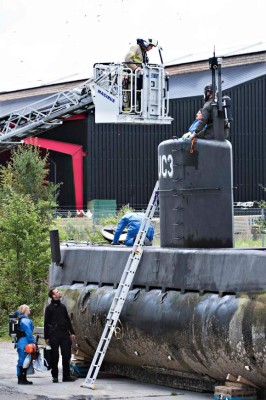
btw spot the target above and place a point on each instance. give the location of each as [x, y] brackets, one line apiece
[122, 291]
[104, 92]
[45, 114]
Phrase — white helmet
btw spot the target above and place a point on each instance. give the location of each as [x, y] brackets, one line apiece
[152, 42]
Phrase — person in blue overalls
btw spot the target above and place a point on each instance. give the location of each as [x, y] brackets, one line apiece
[132, 220]
[24, 337]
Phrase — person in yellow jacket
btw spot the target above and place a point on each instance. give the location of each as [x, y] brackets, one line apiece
[134, 59]
[137, 54]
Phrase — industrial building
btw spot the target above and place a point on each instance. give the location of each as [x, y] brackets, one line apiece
[119, 162]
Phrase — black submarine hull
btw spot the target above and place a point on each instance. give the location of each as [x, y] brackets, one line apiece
[196, 310]
[186, 324]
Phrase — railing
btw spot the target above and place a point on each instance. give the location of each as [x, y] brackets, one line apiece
[246, 230]
[123, 95]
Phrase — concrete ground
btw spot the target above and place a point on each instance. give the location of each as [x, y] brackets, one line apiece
[107, 386]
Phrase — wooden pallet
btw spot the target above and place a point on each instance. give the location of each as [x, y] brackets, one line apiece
[235, 391]
[224, 397]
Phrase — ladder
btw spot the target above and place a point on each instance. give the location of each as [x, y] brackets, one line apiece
[104, 92]
[122, 291]
[45, 114]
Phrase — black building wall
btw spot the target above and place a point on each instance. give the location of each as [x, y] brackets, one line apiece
[248, 138]
[122, 159]
[248, 135]
[61, 171]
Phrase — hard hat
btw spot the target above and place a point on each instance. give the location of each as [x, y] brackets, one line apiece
[152, 42]
[30, 348]
[208, 88]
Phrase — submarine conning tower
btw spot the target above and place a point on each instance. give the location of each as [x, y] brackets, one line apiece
[196, 202]
[195, 179]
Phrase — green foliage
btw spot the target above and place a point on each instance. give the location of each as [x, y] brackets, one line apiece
[73, 229]
[27, 174]
[247, 241]
[260, 225]
[94, 233]
[261, 221]
[70, 229]
[27, 200]
[262, 203]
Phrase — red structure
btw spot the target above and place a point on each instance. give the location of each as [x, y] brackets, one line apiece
[77, 154]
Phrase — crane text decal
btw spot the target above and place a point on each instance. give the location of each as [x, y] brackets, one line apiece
[106, 96]
[166, 166]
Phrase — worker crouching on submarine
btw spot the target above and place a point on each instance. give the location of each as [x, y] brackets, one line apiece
[132, 221]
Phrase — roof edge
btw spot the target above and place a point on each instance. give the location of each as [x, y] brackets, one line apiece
[227, 61]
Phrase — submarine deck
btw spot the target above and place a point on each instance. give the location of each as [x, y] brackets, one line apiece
[203, 270]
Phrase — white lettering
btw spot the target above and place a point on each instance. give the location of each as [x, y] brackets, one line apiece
[171, 162]
[166, 166]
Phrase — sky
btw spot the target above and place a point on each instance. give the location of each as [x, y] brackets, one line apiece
[43, 42]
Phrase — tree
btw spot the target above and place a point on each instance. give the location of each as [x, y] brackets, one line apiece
[261, 221]
[27, 201]
[24, 251]
[27, 173]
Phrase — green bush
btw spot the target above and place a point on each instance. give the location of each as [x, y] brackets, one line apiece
[27, 201]
[74, 230]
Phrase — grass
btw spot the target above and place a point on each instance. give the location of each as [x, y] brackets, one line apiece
[83, 229]
[248, 241]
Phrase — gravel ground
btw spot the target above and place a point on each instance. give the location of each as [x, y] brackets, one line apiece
[109, 387]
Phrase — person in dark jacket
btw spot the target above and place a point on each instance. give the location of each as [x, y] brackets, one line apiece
[206, 117]
[58, 332]
[132, 220]
[24, 337]
[203, 128]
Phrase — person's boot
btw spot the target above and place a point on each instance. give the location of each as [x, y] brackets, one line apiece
[20, 376]
[22, 379]
[69, 379]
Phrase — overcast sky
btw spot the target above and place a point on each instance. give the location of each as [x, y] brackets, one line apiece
[45, 41]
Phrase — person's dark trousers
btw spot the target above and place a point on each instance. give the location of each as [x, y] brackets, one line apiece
[61, 340]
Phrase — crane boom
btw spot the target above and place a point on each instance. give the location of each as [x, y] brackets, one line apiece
[105, 91]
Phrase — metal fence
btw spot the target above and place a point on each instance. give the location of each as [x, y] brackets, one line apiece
[246, 225]
[246, 230]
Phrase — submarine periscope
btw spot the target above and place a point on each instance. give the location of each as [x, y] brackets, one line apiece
[196, 310]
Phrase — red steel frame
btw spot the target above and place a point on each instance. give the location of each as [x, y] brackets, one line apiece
[77, 154]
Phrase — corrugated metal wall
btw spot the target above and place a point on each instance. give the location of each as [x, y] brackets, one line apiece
[248, 138]
[61, 164]
[122, 159]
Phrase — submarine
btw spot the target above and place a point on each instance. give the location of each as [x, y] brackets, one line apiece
[196, 309]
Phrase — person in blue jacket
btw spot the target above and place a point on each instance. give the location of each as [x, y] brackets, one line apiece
[24, 337]
[194, 125]
[132, 221]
